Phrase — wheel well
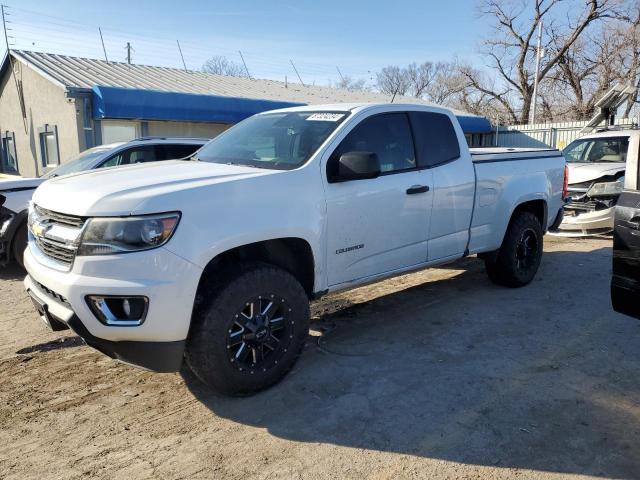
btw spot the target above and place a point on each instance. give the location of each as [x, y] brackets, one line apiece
[537, 207]
[291, 254]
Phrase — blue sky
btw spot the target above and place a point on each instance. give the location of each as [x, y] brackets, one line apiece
[358, 36]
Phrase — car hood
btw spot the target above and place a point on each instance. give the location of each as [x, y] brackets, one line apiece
[20, 184]
[118, 191]
[584, 172]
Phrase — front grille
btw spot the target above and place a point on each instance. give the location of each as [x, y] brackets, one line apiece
[60, 251]
[582, 206]
[56, 250]
[63, 218]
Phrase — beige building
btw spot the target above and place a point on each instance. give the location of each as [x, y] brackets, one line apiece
[53, 106]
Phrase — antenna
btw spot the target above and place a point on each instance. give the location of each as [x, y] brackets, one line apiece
[181, 56]
[129, 49]
[340, 73]
[245, 64]
[296, 70]
[103, 49]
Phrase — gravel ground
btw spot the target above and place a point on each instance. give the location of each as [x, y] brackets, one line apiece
[438, 374]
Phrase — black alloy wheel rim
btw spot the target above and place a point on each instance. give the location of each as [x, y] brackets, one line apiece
[526, 250]
[260, 334]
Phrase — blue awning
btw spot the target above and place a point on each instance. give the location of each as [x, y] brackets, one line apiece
[471, 124]
[138, 104]
[130, 103]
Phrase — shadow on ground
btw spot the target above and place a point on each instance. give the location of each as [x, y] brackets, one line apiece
[544, 377]
[58, 344]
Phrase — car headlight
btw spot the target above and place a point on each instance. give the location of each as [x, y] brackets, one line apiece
[606, 189]
[104, 236]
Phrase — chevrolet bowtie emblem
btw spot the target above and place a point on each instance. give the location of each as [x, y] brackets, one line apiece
[38, 229]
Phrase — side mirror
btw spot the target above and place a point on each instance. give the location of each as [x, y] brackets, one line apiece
[357, 166]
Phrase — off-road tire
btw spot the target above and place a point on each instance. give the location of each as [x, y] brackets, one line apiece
[207, 351]
[19, 244]
[507, 267]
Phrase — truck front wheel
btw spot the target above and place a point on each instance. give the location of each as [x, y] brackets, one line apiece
[250, 332]
[518, 259]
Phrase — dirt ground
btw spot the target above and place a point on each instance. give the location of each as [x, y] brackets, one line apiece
[438, 374]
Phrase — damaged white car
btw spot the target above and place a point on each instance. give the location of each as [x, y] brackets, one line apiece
[596, 177]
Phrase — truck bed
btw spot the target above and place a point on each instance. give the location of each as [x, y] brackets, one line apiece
[503, 176]
[505, 154]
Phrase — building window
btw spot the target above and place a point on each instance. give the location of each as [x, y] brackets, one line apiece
[49, 148]
[8, 155]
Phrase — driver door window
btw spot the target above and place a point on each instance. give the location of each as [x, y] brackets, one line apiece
[388, 136]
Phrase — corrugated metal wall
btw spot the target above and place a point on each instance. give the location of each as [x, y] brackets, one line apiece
[541, 135]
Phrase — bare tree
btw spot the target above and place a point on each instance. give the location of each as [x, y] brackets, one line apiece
[392, 80]
[220, 65]
[348, 83]
[511, 48]
[435, 82]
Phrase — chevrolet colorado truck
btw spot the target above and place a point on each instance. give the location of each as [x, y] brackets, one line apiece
[213, 261]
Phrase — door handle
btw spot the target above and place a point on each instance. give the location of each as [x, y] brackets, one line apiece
[417, 189]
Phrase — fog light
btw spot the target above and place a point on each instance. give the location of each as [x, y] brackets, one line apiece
[119, 311]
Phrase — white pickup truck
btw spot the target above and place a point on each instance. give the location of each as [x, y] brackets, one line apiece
[214, 260]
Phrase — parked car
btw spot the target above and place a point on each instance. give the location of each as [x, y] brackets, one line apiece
[625, 280]
[596, 178]
[215, 260]
[17, 192]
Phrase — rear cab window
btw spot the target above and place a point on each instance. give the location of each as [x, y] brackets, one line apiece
[435, 138]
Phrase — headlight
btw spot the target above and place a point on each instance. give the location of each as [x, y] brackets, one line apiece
[606, 189]
[104, 236]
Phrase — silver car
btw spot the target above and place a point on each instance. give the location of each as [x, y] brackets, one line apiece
[15, 194]
[596, 177]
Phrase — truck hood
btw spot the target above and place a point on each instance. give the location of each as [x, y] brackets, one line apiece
[20, 184]
[118, 191]
[584, 172]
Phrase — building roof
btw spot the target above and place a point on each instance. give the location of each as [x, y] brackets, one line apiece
[84, 73]
[76, 73]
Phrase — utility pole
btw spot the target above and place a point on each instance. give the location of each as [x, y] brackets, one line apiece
[4, 28]
[296, 70]
[103, 48]
[181, 56]
[129, 48]
[534, 100]
[245, 64]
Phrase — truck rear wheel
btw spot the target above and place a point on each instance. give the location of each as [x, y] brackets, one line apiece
[518, 259]
[251, 331]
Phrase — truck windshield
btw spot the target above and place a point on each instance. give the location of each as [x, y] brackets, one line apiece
[593, 150]
[280, 141]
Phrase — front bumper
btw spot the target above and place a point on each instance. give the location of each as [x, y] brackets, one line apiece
[587, 223]
[169, 282]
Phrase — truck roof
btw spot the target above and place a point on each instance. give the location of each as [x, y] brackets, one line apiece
[352, 107]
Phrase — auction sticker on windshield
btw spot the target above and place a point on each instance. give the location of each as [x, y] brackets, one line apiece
[326, 117]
